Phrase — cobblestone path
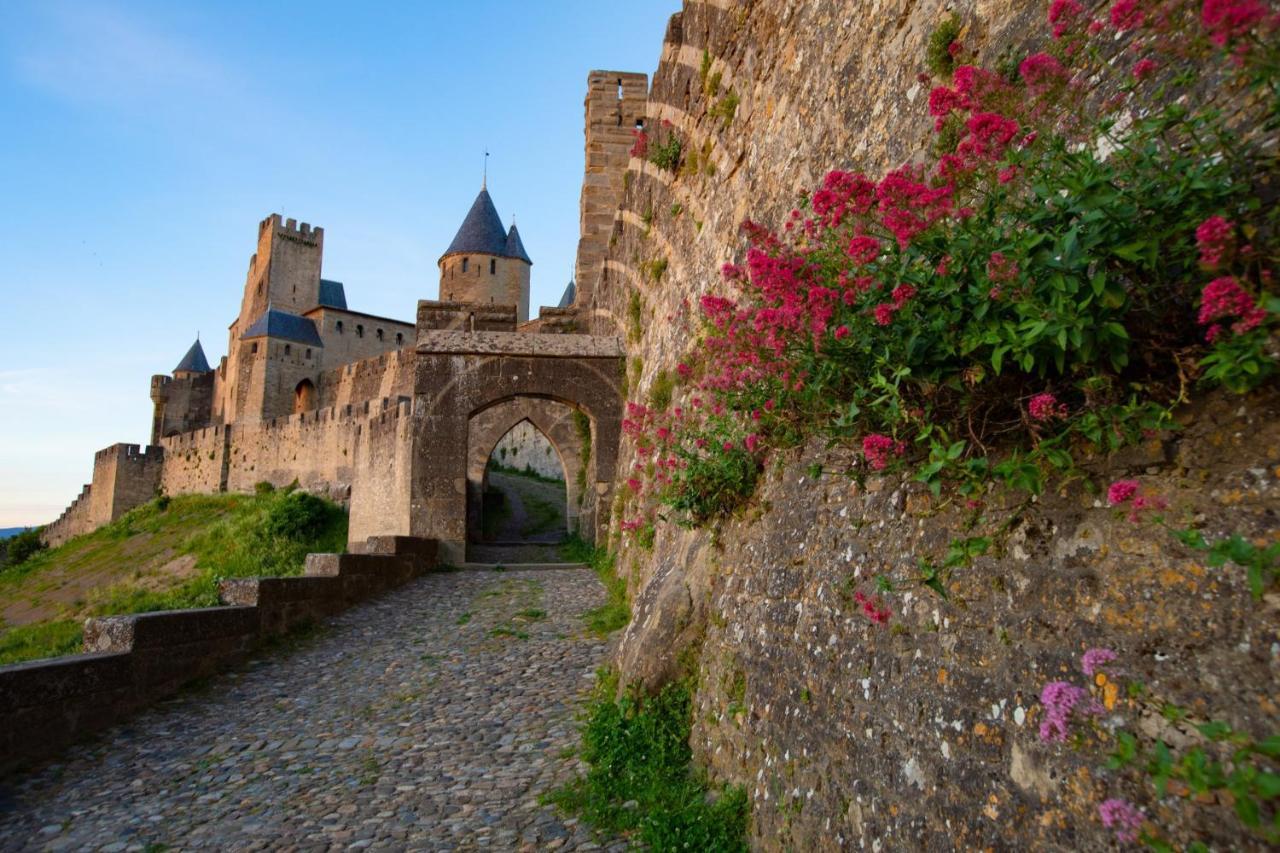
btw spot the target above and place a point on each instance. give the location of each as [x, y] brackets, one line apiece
[431, 719]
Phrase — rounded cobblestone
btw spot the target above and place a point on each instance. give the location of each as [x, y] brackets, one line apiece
[432, 718]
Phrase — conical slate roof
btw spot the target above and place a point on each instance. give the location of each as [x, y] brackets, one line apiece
[515, 249]
[570, 293]
[194, 361]
[481, 232]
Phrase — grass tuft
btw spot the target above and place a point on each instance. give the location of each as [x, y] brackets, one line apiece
[642, 781]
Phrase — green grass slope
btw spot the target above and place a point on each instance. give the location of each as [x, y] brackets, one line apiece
[165, 555]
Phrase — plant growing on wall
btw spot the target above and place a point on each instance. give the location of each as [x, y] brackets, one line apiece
[1056, 281]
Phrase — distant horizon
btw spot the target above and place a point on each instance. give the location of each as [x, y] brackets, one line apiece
[151, 140]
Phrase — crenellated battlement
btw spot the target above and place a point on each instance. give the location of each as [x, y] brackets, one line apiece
[130, 453]
[291, 229]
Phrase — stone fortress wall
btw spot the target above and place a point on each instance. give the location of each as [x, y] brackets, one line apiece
[845, 735]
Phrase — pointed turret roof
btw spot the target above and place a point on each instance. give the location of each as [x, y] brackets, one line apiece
[515, 248]
[570, 293]
[194, 361]
[481, 232]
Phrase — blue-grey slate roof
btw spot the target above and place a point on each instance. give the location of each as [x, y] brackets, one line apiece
[482, 233]
[566, 301]
[515, 248]
[194, 361]
[289, 327]
[332, 294]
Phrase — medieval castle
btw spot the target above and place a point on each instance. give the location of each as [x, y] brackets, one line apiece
[394, 418]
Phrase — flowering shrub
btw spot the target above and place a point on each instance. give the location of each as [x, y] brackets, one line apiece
[923, 314]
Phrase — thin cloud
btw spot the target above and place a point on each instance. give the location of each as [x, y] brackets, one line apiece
[99, 54]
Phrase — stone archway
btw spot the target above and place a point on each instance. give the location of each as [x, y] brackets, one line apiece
[462, 375]
[304, 396]
[556, 421]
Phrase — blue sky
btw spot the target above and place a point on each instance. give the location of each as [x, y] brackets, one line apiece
[141, 143]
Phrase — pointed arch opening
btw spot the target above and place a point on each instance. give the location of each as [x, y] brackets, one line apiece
[524, 481]
[304, 396]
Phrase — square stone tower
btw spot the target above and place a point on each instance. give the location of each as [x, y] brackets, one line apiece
[615, 108]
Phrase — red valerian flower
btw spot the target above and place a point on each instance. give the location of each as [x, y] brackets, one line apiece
[902, 294]
[1127, 15]
[841, 333]
[1122, 491]
[1045, 407]
[877, 449]
[943, 100]
[1228, 20]
[884, 313]
[1063, 14]
[1000, 269]
[1042, 73]
[1224, 298]
[863, 249]
[1144, 68]
[989, 135]
[1215, 238]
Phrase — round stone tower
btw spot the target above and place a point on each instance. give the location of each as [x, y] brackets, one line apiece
[486, 263]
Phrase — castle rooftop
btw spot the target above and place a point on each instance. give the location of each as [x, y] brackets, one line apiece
[570, 292]
[515, 248]
[482, 233]
[194, 361]
[332, 294]
[275, 323]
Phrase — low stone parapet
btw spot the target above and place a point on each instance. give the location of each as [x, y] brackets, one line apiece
[132, 661]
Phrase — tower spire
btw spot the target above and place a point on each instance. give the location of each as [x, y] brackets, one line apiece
[484, 180]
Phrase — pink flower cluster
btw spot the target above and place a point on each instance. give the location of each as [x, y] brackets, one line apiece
[1065, 15]
[1122, 817]
[1045, 407]
[1215, 238]
[1129, 492]
[872, 607]
[1224, 299]
[879, 448]
[640, 147]
[1094, 659]
[1043, 74]
[1230, 20]
[1062, 700]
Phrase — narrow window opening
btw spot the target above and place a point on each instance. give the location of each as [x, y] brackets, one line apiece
[308, 352]
[338, 326]
[464, 264]
[359, 330]
[399, 338]
[253, 348]
[493, 266]
[378, 332]
[288, 349]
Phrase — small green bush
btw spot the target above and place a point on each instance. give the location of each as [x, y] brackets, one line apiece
[726, 108]
[666, 154]
[22, 547]
[937, 57]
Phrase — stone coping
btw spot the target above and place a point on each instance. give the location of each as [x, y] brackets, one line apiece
[519, 344]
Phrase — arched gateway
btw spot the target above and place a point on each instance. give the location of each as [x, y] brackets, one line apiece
[475, 378]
